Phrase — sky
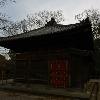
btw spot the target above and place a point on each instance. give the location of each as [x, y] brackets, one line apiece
[20, 9]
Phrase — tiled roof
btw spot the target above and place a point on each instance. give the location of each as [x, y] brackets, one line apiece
[47, 29]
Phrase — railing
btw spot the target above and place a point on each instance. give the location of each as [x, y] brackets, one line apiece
[92, 88]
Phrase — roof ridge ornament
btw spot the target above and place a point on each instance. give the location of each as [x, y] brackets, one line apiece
[86, 20]
[51, 22]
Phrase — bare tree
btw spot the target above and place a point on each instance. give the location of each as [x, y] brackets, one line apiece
[5, 23]
[7, 26]
[94, 16]
[4, 2]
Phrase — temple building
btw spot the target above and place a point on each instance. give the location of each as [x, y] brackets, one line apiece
[57, 55]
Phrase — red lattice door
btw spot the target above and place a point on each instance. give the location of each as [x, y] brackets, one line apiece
[59, 76]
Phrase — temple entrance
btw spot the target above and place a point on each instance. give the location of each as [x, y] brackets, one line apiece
[59, 74]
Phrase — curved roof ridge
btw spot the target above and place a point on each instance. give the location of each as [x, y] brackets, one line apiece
[47, 29]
